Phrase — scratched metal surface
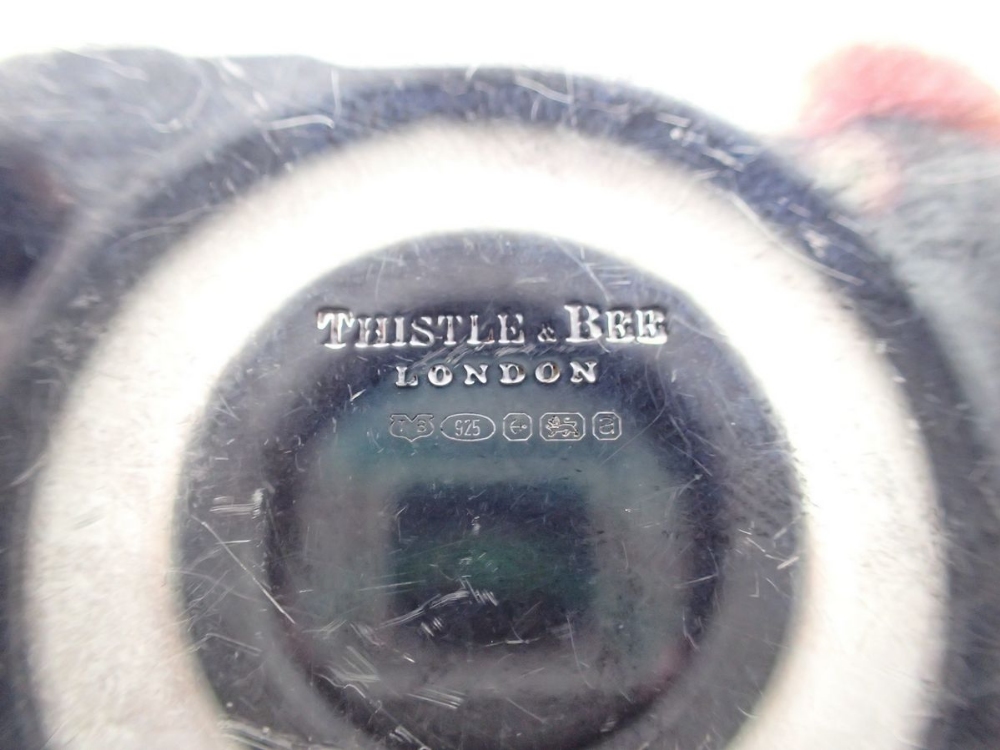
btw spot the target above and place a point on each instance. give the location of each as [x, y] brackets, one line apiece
[116, 160]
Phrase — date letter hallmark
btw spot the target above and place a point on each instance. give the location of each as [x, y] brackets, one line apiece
[607, 425]
[411, 428]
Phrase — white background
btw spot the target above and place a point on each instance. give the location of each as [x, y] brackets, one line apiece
[745, 61]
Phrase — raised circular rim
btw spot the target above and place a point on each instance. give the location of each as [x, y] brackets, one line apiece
[751, 513]
[660, 129]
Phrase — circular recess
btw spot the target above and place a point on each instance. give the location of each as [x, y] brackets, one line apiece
[502, 491]
[194, 539]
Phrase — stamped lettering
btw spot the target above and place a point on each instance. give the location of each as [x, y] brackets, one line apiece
[545, 372]
[468, 428]
[516, 427]
[582, 323]
[411, 428]
[607, 425]
[577, 325]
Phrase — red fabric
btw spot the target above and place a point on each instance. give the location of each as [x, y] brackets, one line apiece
[867, 80]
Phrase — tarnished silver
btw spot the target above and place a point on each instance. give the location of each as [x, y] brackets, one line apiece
[118, 452]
